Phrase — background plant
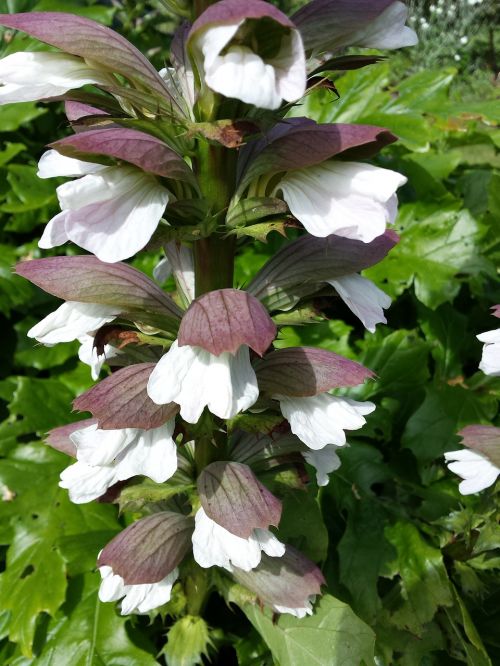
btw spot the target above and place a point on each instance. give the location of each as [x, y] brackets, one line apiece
[417, 562]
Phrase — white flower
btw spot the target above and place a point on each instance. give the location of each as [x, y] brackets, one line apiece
[321, 419]
[325, 461]
[181, 85]
[363, 298]
[138, 598]
[350, 199]
[387, 31]
[88, 354]
[26, 77]
[213, 545]
[240, 71]
[110, 211]
[105, 457]
[71, 321]
[297, 612]
[490, 360]
[477, 471]
[162, 271]
[195, 378]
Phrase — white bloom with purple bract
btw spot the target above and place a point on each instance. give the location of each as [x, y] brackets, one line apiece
[71, 321]
[213, 545]
[105, 457]
[350, 199]
[137, 598]
[109, 211]
[476, 470]
[29, 76]
[363, 298]
[321, 419]
[238, 71]
[194, 378]
[490, 360]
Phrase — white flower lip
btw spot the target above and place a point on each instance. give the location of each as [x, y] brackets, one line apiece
[363, 298]
[474, 468]
[213, 545]
[109, 211]
[137, 598]
[30, 76]
[243, 74]
[71, 321]
[350, 199]
[324, 460]
[195, 378]
[105, 457]
[321, 420]
[490, 359]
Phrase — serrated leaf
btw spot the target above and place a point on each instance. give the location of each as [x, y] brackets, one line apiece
[334, 635]
[261, 231]
[91, 633]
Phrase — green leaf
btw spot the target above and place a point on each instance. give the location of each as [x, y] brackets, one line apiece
[432, 429]
[302, 525]
[438, 247]
[34, 582]
[90, 633]
[31, 393]
[423, 583]
[333, 635]
[362, 551]
[14, 291]
[188, 641]
[10, 151]
[14, 116]
[32, 354]
[445, 330]
[399, 360]
[28, 192]
[133, 498]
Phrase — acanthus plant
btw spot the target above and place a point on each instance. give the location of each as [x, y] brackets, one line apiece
[197, 399]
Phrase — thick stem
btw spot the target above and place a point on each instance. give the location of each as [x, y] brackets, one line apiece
[214, 256]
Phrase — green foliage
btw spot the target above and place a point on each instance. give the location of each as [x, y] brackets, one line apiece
[413, 566]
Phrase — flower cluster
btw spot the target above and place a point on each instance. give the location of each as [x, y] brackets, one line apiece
[198, 399]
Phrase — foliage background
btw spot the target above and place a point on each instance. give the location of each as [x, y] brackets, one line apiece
[417, 563]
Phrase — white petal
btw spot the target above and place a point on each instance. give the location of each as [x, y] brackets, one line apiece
[70, 321]
[100, 447]
[55, 232]
[243, 75]
[477, 471]
[269, 543]
[214, 39]
[194, 378]
[112, 586]
[215, 546]
[321, 420]
[87, 354]
[324, 461]
[86, 483]
[297, 612]
[152, 453]
[53, 164]
[490, 337]
[26, 76]
[144, 598]
[363, 298]
[290, 67]
[114, 213]
[388, 31]
[182, 261]
[162, 271]
[350, 199]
